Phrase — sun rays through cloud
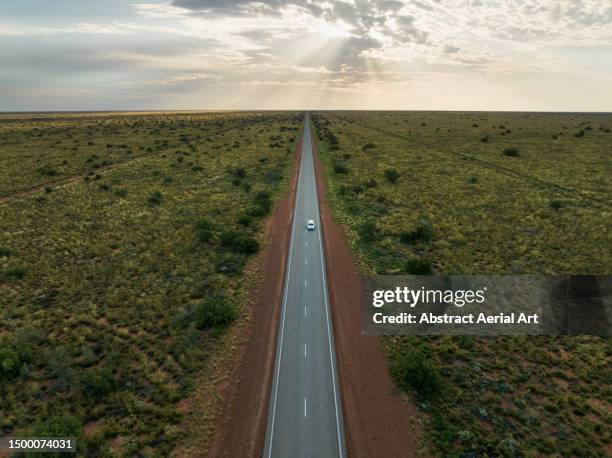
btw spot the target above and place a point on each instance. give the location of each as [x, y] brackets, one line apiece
[200, 54]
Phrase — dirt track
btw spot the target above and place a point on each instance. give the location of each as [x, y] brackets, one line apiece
[378, 421]
[242, 427]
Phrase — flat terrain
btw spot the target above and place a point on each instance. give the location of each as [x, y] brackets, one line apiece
[305, 413]
[466, 193]
[125, 242]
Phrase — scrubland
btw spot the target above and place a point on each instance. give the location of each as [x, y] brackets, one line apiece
[124, 240]
[484, 193]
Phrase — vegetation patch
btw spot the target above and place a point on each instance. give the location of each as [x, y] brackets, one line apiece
[547, 213]
[115, 305]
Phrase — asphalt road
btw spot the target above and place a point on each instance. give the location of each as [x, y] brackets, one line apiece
[305, 416]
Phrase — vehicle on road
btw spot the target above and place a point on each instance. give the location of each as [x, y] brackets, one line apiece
[310, 225]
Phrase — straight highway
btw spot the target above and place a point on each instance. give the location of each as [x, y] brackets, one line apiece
[305, 415]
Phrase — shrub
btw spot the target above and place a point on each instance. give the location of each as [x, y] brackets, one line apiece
[369, 146]
[216, 312]
[262, 206]
[579, 134]
[5, 252]
[96, 384]
[413, 370]
[9, 362]
[204, 230]
[58, 426]
[392, 175]
[513, 152]
[557, 204]
[155, 198]
[340, 168]
[423, 232]
[367, 231]
[245, 220]
[484, 139]
[371, 183]
[239, 243]
[418, 266]
[46, 171]
[240, 173]
[16, 273]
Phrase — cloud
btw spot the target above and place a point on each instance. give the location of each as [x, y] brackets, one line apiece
[332, 46]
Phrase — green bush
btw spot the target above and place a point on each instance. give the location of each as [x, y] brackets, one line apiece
[392, 175]
[557, 204]
[422, 233]
[418, 266]
[9, 362]
[204, 230]
[513, 152]
[5, 252]
[215, 312]
[239, 243]
[96, 384]
[245, 220]
[155, 198]
[414, 371]
[340, 168]
[58, 426]
[206, 224]
[367, 231]
[15, 273]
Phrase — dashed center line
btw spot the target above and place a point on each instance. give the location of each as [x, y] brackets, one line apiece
[305, 351]
[305, 282]
[304, 406]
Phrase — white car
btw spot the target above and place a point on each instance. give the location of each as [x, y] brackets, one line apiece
[310, 225]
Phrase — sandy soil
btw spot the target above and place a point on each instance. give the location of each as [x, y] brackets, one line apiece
[378, 420]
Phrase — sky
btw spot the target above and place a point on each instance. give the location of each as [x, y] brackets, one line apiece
[306, 54]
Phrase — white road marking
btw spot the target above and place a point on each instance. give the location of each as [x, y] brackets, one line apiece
[306, 260]
[331, 356]
[305, 351]
[305, 282]
[305, 311]
[304, 406]
[306, 243]
[282, 333]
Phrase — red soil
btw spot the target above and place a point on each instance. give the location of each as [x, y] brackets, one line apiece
[241, 429]
[378, 421]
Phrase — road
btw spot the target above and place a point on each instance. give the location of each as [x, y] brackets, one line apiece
[305, 415]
